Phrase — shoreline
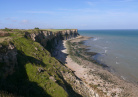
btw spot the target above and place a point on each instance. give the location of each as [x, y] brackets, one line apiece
[113, 70]
[96, 77]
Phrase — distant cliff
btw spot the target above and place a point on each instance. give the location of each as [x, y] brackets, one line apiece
[50, 40]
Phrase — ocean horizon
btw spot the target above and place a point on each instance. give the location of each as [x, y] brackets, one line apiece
[117, 48]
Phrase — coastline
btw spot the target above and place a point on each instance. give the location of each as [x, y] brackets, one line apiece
[96, 77]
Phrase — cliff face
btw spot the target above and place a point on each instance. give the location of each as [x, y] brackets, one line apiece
[50, 40]
[8, 59]
[27, 68]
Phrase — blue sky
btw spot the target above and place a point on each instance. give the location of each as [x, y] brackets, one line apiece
[62, 14]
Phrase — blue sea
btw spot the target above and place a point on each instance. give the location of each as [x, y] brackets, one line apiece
[116, 48]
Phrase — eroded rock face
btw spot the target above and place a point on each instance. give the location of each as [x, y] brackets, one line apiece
[3, 33]
[50, 40]
[48, 35]
[8, 59]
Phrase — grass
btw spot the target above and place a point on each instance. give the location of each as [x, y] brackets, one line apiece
[26, 80]
[27, 72]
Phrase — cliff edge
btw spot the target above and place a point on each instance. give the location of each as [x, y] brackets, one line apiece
[28, 69]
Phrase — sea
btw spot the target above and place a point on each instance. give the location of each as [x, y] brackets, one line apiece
[118, 49]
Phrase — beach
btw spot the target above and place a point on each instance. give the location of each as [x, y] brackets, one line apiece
[117, 49]
[97, 77]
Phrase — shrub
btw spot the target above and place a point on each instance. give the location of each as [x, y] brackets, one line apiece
[7, 29]
[36, 28]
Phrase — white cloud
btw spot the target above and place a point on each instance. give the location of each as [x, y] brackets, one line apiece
[39, 12]
[24, 21]
[81, 10]
[90, 3]
[12, 19]
[126, 0]
[64, 9]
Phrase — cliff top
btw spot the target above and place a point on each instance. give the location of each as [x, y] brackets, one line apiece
[8, 34]
[56, 30]
[27, 68]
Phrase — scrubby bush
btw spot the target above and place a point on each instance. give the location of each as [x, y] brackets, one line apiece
[36, 28]
[7, 29]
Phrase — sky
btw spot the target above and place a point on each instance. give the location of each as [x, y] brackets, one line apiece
[69, 14]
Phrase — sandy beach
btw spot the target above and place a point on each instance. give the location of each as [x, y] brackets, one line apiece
[99, 79]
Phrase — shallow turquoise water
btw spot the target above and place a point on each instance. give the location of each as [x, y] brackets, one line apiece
[116, 48]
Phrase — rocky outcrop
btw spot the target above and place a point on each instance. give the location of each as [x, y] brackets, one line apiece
[8, 60]
[79, 86]
[50, 40]
[3, 33]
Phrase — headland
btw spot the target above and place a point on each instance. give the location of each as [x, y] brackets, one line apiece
[54, 63]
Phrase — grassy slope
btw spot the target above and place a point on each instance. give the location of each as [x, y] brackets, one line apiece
[26, 80]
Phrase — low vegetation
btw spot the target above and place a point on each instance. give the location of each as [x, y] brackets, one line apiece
[36, 28]
[37, 73]
[76, 52]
